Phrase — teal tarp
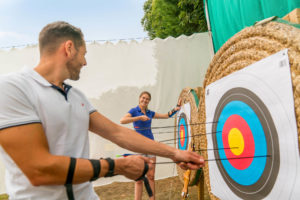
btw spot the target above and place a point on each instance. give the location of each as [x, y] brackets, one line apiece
[228, 17]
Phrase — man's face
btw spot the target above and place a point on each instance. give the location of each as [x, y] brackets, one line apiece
[75, 64]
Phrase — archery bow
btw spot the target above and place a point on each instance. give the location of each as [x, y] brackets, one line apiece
[186, 180]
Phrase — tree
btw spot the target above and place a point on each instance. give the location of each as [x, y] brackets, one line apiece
[161, 18]
[165, 18]
[192, 16]
[147, 19]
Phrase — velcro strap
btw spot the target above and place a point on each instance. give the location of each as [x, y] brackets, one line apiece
[173, 112]
[111, 167]
[69, 190]
[146, 181]
[96, 167]
[68, 184]
[147, 186]
[71, 171]
[146, 168]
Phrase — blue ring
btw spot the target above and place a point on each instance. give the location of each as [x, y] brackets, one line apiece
[183, 123]
[253, 173]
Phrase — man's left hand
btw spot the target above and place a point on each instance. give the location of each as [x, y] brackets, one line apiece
[188, 160]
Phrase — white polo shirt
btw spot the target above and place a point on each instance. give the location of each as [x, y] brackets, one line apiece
[26, 97]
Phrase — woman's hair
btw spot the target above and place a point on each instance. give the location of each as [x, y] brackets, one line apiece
[145, 92]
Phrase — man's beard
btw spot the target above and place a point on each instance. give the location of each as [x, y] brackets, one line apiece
[73, 71]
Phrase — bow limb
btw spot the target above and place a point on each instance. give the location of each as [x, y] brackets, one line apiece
[186, 180]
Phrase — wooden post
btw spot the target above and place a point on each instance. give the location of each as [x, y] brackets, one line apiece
[201, 188]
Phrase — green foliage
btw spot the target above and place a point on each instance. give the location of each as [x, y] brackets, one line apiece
[161, 18]
[192, 16]
[165, 18]
[147, 19]
[3, 197]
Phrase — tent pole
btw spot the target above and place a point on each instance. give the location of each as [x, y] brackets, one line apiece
[209, 27]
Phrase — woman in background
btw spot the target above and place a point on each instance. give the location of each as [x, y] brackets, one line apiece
[142, 117]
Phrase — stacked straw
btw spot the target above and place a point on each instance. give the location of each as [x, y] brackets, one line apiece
[246, 47]
[187, 96]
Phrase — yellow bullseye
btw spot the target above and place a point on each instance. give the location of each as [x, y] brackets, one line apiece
[181, 134]
[236, 141]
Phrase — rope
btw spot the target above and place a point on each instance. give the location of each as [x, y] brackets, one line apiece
[87, 41]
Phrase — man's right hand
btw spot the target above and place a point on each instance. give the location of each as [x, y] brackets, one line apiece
[131, 167]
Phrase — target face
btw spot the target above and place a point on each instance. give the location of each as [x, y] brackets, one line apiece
[183, 129]
[252, 128]
[182, 133]
[245, 136]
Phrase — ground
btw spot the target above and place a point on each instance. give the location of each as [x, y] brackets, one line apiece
[166, 189]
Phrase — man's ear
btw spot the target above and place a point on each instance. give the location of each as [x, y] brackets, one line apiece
[69, 48]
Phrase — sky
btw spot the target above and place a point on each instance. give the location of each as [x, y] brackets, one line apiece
[22, 20]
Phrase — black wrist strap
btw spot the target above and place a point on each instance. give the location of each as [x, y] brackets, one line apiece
[111, 167]
[97, 169]
[172, 112]
[68, 184]
[147, 186]
[146, 168]
[146, 181]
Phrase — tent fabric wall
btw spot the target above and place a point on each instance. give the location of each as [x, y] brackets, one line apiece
[117, 73]
[228, 17]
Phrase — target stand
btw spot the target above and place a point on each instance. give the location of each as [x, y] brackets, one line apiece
[187, 133]
[253, 131]
[255, 112]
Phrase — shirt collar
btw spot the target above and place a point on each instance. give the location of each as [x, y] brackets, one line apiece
[139, 109]
[36, 76]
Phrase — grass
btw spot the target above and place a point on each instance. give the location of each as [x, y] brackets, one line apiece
[166, 189]
[3, 196]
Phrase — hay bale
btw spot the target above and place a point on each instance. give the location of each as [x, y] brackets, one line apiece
[191, 96]
[249, 46]
[293, 16]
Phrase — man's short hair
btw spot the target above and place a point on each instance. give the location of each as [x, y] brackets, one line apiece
[53, 34]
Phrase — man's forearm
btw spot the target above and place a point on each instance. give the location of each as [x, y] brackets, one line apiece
[28, 148]
[128, 138]
[54, 169]
[133, 141]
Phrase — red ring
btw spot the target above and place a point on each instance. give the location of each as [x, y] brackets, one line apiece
[236, 121]
[182, 139]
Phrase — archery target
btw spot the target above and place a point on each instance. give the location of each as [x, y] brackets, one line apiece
[183, 127]
[251, 115]
[247, 136]
[186, 132]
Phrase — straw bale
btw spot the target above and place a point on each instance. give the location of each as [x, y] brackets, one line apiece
[246, 47]
[293, 16]
[187, 96]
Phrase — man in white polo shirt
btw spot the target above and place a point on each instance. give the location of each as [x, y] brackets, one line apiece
[44, 127]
